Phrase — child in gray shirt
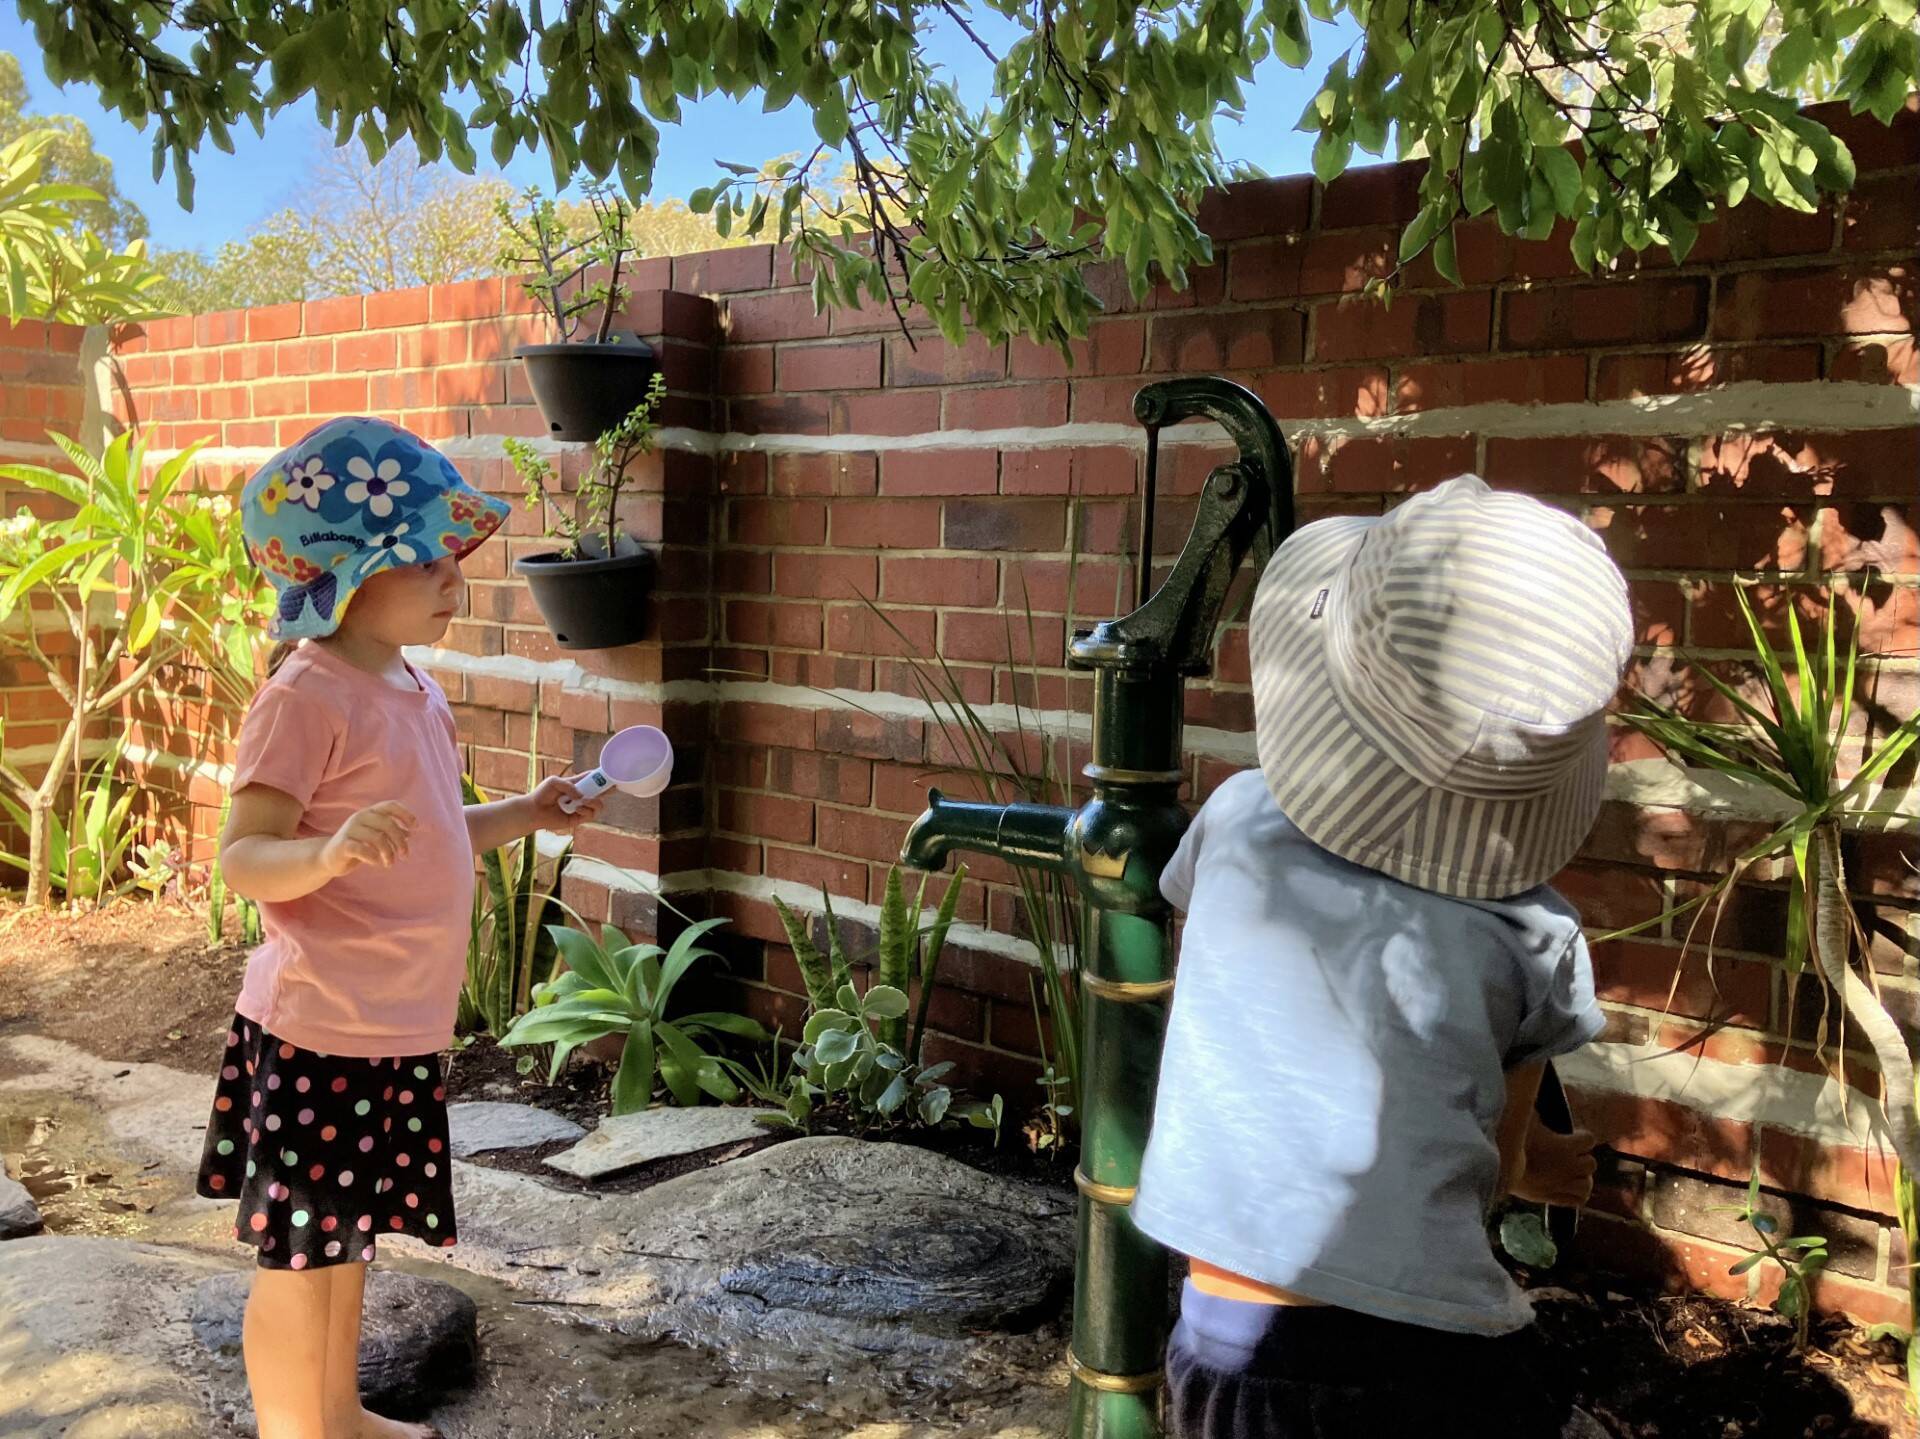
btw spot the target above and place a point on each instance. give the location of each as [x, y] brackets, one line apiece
[1373, 973]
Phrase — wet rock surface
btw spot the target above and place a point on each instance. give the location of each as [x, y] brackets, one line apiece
[418, 1341]
[19, 1215]
[484, 1126]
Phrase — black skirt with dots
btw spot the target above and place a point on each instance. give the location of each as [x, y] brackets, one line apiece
[326, 1154]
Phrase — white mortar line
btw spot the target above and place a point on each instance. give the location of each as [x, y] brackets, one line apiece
[181, 764]
[1816, 405]
[1769, 1094]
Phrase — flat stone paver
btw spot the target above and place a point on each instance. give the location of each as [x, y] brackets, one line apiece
[628, 1140]
[483, 1126]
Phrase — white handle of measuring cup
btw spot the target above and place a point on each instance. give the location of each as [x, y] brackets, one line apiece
[586, 787]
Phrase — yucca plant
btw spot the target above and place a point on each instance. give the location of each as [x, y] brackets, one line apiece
[1792, 743]
[610, 986]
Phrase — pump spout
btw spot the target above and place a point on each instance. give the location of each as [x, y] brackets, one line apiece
[1024, 834]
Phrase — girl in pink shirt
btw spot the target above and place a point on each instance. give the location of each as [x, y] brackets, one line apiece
[329, 1122]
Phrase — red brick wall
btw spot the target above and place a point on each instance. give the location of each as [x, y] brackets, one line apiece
[1747, 413]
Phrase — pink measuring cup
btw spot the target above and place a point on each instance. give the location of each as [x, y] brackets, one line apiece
[637, 761]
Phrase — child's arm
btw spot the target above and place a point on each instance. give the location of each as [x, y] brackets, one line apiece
[261, 859]
[1537, 1164]
[491, 825]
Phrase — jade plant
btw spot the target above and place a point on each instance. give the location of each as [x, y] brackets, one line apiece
[572, 271]
[593, 523]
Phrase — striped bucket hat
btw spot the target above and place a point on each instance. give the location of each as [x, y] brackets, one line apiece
[1430, 686]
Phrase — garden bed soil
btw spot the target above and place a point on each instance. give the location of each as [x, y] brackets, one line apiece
[138, 981]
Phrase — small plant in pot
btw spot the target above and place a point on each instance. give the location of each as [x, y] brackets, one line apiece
[592, 592]
[590, 376]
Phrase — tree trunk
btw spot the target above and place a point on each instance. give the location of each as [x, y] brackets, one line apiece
[1832, 930]
[39, 849]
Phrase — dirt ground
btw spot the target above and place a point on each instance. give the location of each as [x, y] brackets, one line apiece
[139, 981]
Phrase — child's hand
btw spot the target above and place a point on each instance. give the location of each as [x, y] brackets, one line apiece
[377, 835]
[547, 814]
[1559, 1168]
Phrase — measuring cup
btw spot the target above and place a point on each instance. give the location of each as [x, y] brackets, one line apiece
[637, 761]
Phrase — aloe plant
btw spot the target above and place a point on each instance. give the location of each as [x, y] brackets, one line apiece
[84, 855]
[1791, 743]
[611, 986]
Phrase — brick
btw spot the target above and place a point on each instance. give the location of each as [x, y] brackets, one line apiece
[365, 352]
[820, 671]
[467, 299]
[1855, 1178]
[1600, 464]
[1891, 361]
[1549, 380]
[875, 837]
[1643, 973]
[1250, 339]
[221, 327]
[800, 574]
[1345, 261]
[930, 360]
[746, 370]
[1874, 146]
[971, 582]
[1265, 269]
[298, 357]
[890, 412]
[1609, 897]
[837, 876]
[1323, 394]
[1637, 311]
[343, 396]
[1703, 367]
[739, 267]
[939, 472]
[1883, 213]
[331, 317]
[1374, 463]
[764, 724]
[1770, 304]
[1372, 195]
[870, 736]
[835, 473]
[1006, 407]
[1003, 639]
[391, 309]
[1701, 537]
[1005, 525]
[1359, 328]
[1256, 207]
[887, 524]
[776, 522]
[1863, 1303]
[860, 630]
[280, 397]
[1755, 230]
[838, 779]
[754, 622]
[1666, 1133]
[274, 322]
[1112, 347]
[766, 816]
[837, 366]
[470, 385]
[783, 315]
[1860, 464]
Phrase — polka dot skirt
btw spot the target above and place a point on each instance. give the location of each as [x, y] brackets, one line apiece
[327, 1154]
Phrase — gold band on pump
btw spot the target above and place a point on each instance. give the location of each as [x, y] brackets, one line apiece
[1112, 1383]
[1122, 991]
[1103, 1193]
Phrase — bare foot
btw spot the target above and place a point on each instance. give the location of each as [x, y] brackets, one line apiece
[374, 1426]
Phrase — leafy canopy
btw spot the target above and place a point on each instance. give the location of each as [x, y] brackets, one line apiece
[1098, 141]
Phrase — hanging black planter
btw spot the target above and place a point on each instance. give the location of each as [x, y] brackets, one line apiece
[586, 389]
[592, 604]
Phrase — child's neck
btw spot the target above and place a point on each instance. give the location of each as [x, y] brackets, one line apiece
[375, 656]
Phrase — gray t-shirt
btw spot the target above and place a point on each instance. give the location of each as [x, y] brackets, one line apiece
[1334, 1072]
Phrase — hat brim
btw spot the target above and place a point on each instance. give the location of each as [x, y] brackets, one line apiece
[1347, 794]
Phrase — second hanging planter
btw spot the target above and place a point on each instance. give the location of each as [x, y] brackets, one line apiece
[592, 602]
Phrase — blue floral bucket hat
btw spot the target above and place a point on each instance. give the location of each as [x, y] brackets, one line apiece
[347, 500]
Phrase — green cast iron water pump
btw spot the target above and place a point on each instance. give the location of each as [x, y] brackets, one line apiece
[1114, 848]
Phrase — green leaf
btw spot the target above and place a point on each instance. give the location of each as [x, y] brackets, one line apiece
[1331, 154]
[1742, 1266]
[1523, 1234]
[884, 1002]
[835, 1045]
[1563, 177]
[633, 1080]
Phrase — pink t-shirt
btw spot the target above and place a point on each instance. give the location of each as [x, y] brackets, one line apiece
[370, 964]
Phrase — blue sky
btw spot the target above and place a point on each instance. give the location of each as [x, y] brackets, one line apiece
[236, 191]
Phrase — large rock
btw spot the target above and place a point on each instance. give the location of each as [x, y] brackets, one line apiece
[479, 1128]
[418, 1339]
[627, 1141]
[827, 1252]
[19, 1215]
[94, 1341]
